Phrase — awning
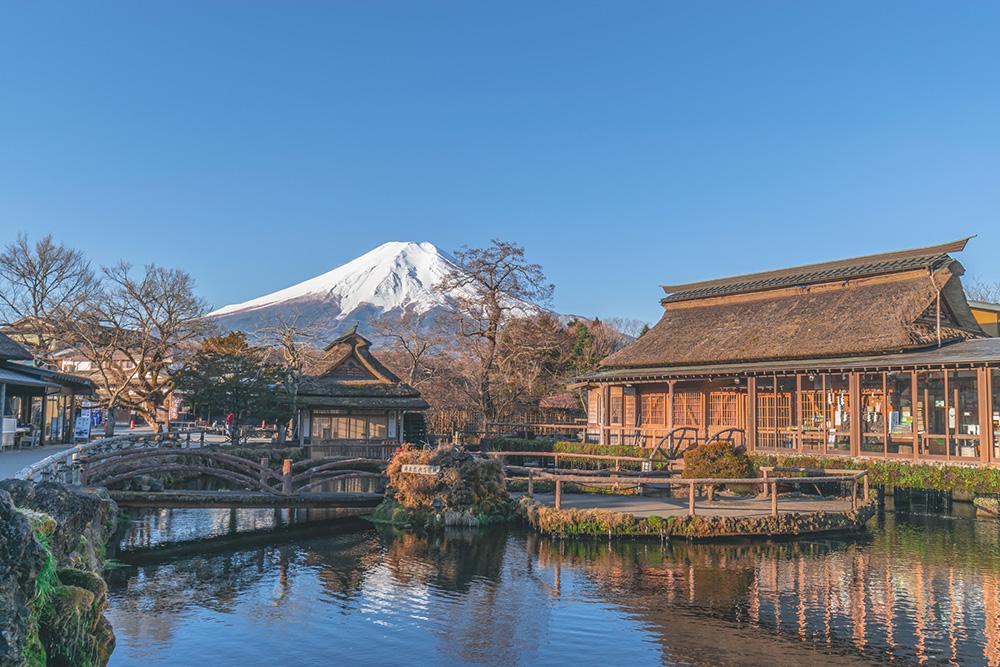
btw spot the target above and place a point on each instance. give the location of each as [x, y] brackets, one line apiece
[10, 377]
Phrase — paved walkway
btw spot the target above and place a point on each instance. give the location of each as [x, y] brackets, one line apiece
[644, 506]
[12, 460]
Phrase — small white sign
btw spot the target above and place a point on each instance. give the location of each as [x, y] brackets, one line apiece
[81, 428]
[421, 469]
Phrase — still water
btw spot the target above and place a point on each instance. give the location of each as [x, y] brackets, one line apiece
[919, 587]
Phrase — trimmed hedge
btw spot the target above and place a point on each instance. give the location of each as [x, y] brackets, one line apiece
[528, 445]
[900, 474]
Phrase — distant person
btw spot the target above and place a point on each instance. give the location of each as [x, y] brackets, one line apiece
[229, 423]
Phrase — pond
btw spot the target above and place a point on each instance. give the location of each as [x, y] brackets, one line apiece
[273, 588]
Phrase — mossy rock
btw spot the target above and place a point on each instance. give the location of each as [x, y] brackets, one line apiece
[41, 523]
[73, 629]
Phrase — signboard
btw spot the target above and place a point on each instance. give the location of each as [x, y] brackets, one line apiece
[419, 469]
[81, 428]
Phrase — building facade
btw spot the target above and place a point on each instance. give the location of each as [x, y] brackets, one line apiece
[354, 403]
[877, 356]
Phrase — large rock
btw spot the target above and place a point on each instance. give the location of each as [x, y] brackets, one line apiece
[21, 559]
[85, 519]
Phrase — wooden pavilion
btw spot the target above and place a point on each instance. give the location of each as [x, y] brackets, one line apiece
[354, 402]
[876, 356]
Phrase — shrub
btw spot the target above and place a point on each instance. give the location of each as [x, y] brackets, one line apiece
[465, 482]
[718, 459]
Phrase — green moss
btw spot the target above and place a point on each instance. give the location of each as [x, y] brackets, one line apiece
[604, 523]
[901, 474]
[46, 583]
[41, 523]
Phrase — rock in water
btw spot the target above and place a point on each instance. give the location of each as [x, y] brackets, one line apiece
[21, 559]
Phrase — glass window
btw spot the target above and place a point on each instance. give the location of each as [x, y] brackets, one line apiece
[651, 411]
[899, 389]
[616, 405]
[775, 414]
[873, 413]
[932, 423]
[378, 427]
[963, 414]
[995, 417]
[687, 408]
[838, 413]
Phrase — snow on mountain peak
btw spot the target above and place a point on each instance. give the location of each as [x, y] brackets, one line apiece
[397, 274]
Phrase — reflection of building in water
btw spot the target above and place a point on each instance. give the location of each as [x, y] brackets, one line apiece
[932, 596]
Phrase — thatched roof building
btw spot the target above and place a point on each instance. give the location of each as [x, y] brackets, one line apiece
[874, 355]
[868, 305]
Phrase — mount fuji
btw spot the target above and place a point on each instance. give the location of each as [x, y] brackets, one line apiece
[394, 279]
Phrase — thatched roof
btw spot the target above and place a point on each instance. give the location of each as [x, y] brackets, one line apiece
[350, 376]
[840, 309]
[11, 350]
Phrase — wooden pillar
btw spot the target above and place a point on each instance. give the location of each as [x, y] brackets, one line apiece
[606, 416]
[774, 499]
[531, 484]
[558, 493]
[751, 414]
[691, 499]
[286, 476]
[984, 384]
[798, 413]
[914, 402]
[854, 413]
[670, 405]
[864, 488]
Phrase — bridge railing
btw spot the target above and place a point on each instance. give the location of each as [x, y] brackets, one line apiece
[64, 466]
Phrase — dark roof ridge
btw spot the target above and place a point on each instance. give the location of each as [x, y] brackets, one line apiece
[752, 281]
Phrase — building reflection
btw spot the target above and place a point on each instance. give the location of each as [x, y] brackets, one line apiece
[924, 593]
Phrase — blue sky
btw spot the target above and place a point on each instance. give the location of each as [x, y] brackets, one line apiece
[624, 144]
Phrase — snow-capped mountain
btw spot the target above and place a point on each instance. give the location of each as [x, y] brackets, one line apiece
[393, 279]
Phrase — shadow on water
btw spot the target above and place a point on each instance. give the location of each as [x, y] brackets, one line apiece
[920, 586]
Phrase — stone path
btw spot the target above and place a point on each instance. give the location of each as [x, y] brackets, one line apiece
[645, 506]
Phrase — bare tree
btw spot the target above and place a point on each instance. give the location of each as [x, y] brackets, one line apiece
[497, 281]
[297, 351]
[978, 289]
[44, 285]
[411, 339]
[136, 333]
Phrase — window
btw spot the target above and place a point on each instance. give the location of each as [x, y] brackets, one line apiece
[652, 410]
[932, 413]
[873, 413]
[899, 407]
[724, 408]
[616, 405]
[963, 414]
[775, 413]
[687, 408]
[838, 413]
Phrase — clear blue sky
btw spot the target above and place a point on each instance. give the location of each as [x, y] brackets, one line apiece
[625, 144]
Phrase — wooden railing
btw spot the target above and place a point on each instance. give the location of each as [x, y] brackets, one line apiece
[769, 484]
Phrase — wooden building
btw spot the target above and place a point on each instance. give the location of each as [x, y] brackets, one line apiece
[38, 404]
[353, 401]
[987, 315]
[876, 356]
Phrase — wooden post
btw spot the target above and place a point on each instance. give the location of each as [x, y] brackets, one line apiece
[202, 438]
[854, 493]
[264, 462]
[189, 438]
[751, 414]
[774, 499]
[854, 412]
[767, 487]
[864, 489]
[286, 476]
[531, 484]
[690, 498]
[558, 494]
[985, 414]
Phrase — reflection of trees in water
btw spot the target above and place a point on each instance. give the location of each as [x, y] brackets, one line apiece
[916, 587]
[150, 601]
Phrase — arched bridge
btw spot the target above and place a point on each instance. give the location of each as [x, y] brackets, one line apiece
[113, 463]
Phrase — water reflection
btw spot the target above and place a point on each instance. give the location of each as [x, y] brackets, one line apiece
[917, 588]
